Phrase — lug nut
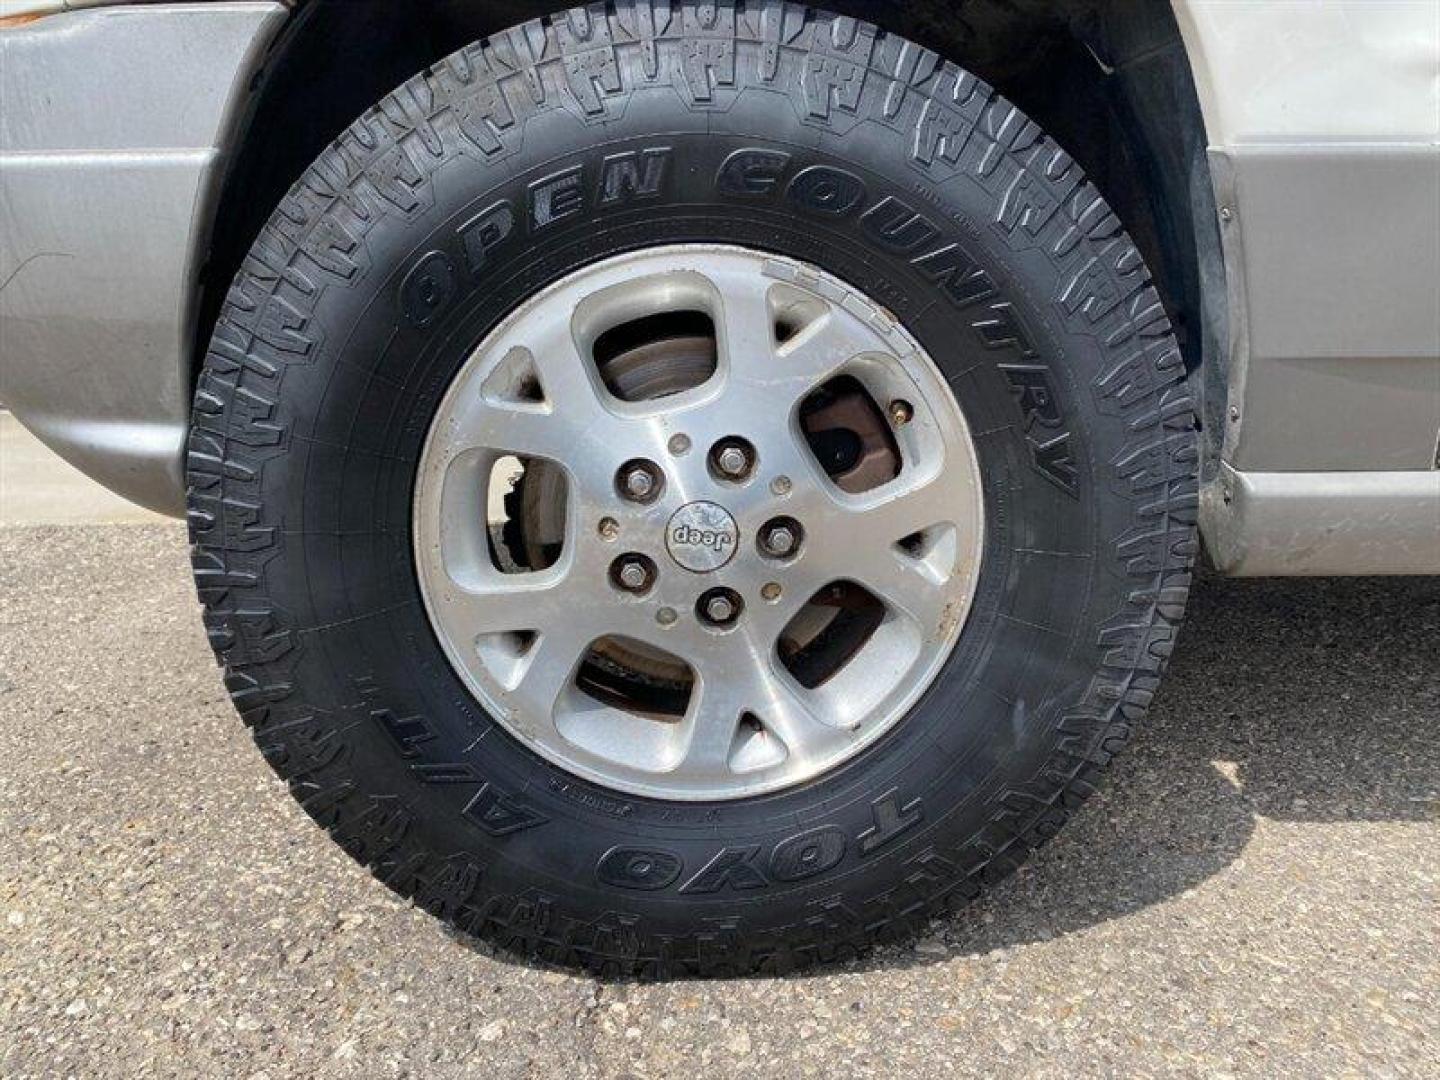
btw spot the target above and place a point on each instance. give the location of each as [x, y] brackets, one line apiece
[719, 607]
[639, 481]
[732, 459]
[633, 573]
[780, 538]
[779, 541]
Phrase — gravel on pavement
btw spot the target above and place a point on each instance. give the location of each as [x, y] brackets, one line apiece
[1256, 892]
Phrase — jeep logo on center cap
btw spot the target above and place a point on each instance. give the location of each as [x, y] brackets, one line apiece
[701, 536]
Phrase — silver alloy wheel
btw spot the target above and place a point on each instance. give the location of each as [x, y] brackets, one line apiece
[748, 725]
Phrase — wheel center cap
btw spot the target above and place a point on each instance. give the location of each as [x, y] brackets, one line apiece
[702, 536]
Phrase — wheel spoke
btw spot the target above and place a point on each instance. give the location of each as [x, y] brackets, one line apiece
[785, 710]
[822, 348]
[569, 422]
[745, 329]
[738, 676]
[499, 618]
[861, 545]
[551, 670]
[906, 505]
[497, 611]
[786, 371]
[525, 430]
[514, 603]
[709, 738]
[908, 585]
[731, 670]
[725, 673]
[567, 379]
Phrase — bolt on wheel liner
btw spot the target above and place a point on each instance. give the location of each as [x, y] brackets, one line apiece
[704, 504]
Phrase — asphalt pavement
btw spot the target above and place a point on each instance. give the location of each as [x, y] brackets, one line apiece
[1255, 893]
[37, 488]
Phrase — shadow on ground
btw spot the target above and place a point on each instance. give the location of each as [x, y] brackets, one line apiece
[1303, 700]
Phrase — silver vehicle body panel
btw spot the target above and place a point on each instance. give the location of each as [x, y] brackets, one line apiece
[1323, 121]
[112, 135]
[12, 8]
[1287, 523]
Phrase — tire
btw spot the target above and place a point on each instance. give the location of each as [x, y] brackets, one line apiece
[436, 214]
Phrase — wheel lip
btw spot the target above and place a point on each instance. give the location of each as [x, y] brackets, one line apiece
[780, 268]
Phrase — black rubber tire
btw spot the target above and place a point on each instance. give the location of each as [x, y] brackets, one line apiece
[857, 151]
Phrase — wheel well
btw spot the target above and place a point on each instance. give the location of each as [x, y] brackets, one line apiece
[1109, 79]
